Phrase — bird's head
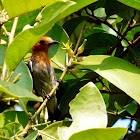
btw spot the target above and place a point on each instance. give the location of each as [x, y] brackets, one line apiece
[44, 44]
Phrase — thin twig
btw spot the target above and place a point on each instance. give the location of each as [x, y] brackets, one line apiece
[122, 116]
[79, 39]
[98, 20]
[111, 92]
[36, 125]
[12, 34]
[5, 31]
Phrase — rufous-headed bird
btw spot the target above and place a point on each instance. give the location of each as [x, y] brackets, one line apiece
[42, 71]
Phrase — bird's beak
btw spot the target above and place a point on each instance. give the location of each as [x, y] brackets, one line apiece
[53, 42]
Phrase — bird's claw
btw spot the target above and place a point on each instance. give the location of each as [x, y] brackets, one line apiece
[59, 81]
[48, 97]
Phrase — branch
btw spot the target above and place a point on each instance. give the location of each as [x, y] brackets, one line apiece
[110, 92]
[134, 44]
[122, 116]
[11, 37]
[79, 39]
[122, 36]
[133, 136]
[5, 31]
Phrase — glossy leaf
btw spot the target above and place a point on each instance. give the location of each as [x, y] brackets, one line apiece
[132, 3]
[72, 88]
[56, 53]
[13, 116]
[16, 8]
[2, 54]
[17, 92]
[28, 38]
[100, 134]
[87, 110]
[3, 138]
[117, 71]
[25, 80]
[79, 5]
[11, 129]
[27, 19]
[100, 40]
[114, 7]
[23, 103]
[131, 108]
[50, 132]
[32, 136]
[25, 40]
[71, 24]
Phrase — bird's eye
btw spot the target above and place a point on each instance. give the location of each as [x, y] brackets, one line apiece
[42, 41]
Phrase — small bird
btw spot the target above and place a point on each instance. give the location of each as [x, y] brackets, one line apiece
[42, 72]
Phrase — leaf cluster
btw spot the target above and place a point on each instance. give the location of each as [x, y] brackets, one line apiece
[98, 60]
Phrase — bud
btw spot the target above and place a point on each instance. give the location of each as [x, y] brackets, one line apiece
[68, 46]
[81, 48]
[74, 70]
[70, 52]
[80, 58]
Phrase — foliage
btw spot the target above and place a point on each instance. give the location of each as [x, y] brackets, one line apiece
[98, 60]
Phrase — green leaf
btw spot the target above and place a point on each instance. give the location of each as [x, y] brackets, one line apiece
[25, 40]
[16, 8]
[2, 54]
[25, 79]
[100, 134]
[117, 106]
[56, 53]
[119, 72]
[100, 12]
[131, 108]
[132, 3]
[13, 116]
[71, 24]
[11, 129]
[79, 5]
[50, 132]
[87, 110]
[3, 138]
[17, 92]
[100, 40]
[114, 7]
[27, 19]
[0, 6]
[32, 136]
[72, 88]
[23, 103]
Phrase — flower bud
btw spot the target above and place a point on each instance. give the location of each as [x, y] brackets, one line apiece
[70, 52]
[81, 48]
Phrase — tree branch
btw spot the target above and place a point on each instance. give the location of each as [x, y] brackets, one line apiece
[122, 116]
[11, 37]
[122, 36]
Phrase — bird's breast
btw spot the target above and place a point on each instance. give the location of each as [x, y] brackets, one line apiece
[42, 59]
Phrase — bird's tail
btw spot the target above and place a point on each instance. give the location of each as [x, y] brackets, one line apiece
[53, 111]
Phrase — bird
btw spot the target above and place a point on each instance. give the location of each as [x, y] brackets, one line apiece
[43, 74]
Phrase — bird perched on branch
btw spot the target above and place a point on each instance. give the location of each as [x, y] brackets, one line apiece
[43, 73]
